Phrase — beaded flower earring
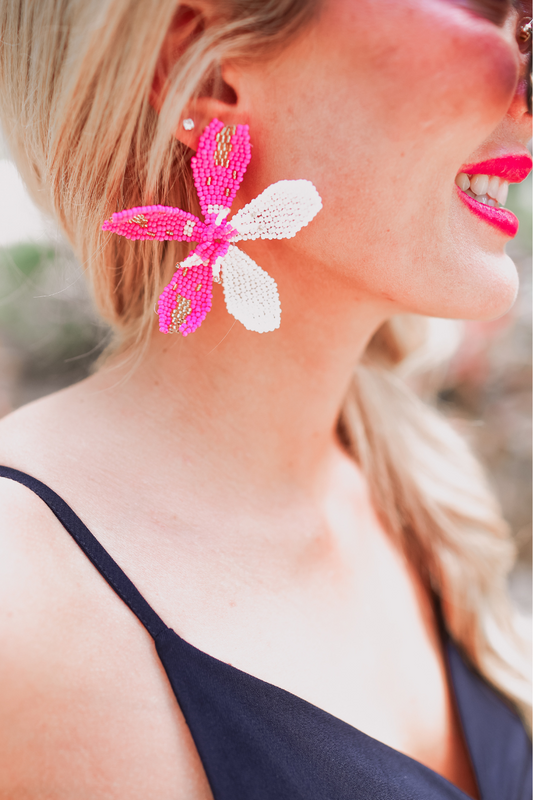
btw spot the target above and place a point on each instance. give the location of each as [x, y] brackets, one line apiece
[277, 213]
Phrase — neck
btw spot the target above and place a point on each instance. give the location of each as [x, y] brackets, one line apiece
[258, 407]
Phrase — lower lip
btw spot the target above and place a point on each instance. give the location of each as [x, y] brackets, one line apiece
[500, 218]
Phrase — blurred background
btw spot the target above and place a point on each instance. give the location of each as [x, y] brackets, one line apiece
[50, 336]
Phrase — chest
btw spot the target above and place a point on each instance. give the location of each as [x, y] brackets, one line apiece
[374, 664]
[341, 623]
[112, 720]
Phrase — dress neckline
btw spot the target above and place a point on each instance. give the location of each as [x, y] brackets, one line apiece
[449, 649]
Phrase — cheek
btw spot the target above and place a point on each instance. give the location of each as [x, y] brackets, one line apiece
[453, 97]
[380, 106]
[382, 100]
[420, 77]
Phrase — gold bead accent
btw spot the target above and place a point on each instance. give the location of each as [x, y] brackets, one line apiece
[180, 313]
[140, 220]
[208, 181]
[223, 139]
[198, 287]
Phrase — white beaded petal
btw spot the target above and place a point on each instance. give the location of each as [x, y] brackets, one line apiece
[279, 212]
[251, 294]
[192, 260]
[214, 209]
[216, 269]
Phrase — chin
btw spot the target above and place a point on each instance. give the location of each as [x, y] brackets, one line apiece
[493, 291]
[481, 287]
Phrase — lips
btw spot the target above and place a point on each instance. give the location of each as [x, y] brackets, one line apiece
[500, 218]
[511, 168]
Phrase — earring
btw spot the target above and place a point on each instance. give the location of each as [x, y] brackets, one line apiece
[188, 124]
[278, 213]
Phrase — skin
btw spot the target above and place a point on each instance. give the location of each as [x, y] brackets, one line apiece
[212, 472]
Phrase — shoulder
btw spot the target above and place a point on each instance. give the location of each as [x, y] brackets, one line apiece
[26, 445]
[29, 429]
[41, 567]
[69, 698]
[29, 532]
[27, 523]
[50, 440]
[28, 641]
[34, 550]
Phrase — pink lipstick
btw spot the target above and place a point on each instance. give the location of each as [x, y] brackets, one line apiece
[513, 168]
[501, 218]
[510, 168]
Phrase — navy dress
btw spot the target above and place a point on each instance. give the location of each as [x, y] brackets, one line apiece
[259, 742]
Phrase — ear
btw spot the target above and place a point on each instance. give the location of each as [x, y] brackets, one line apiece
[217, 96]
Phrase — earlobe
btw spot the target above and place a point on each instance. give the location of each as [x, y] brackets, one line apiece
[199, 112]
[197, 116]
[217, 99]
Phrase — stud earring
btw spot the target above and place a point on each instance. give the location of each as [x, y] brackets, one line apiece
[279, 212]
[188, 124]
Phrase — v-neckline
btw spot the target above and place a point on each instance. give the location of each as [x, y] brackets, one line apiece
[447, 644]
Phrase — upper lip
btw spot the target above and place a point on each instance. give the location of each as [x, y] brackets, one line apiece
[513, 167]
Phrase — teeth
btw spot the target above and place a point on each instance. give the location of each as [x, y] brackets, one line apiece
[487, 189]
[483, 198]
[501, 197]
[463, 181]
[479, 184]
[494, 185]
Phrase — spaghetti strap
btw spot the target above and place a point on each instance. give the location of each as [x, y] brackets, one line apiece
[99, 557]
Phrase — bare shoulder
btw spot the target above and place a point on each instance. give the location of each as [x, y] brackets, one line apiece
[57, 439]
[27, 436]
[28, 539]
[38, 425]
[76, 720]
[30, 535]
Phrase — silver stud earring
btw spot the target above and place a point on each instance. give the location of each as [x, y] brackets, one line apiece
[188, 124]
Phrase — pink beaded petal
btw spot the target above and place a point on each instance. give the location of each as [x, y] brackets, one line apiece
[156, 222]
[186, 300]
[219, 165]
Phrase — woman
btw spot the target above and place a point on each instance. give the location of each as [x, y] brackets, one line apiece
[323, 545]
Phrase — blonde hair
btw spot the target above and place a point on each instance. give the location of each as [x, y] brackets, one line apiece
[75, 80]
